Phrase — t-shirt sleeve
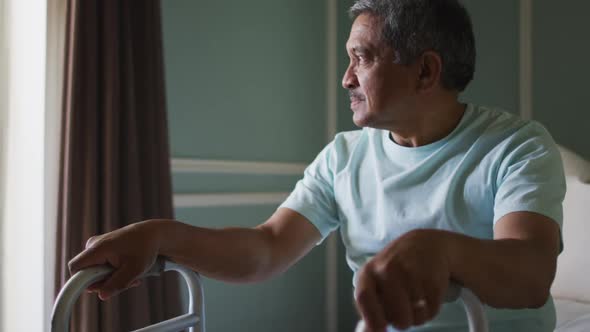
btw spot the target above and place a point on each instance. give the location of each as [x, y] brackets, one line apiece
[530, 176]
[313, 196]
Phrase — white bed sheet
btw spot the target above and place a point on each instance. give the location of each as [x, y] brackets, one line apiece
[572, 316]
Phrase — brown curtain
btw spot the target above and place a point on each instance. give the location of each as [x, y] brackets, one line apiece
[115, 167]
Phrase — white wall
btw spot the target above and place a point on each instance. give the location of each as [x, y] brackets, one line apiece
[3, 127]
[30, 169]
[22, 237]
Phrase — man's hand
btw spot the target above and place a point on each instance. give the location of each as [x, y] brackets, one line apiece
[130, 250]
[404, 284]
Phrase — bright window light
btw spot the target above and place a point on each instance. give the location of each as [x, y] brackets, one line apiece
[23, 230]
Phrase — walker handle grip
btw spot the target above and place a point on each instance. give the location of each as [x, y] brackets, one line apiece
[80, 281]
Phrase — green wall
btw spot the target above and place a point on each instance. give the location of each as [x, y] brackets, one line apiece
[245, 81]
[496, 29]
[560, 71]
[245, 78]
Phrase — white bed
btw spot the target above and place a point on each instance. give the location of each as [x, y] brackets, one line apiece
[571, 288]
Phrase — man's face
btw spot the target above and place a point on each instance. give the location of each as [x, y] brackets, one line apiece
[380, 90]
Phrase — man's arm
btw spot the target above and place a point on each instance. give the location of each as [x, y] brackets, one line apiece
[404, 284]
[241, 254]
[232, 254]
[516, 269]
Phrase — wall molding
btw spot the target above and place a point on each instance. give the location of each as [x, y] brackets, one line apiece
[228, 199]
[54, 78]
[183, 165]
[526, 59]
[331, 129]
[331, 69]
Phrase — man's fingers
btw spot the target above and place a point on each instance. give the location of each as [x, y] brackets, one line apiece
[88, 257]
[388, 298]
[91, 241]
[419, 307]
[396, 302]
[369, 305]
[95, 286]
[434, 298]
[118, 281]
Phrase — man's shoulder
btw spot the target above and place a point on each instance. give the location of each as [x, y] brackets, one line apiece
[496, 117]
[497, 121]
[509, 132]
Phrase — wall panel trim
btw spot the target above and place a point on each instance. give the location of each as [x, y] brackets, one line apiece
[180, 165]
[228, 199]
[332, 83]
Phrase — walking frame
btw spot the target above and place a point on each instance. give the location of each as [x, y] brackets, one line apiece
[194, 319]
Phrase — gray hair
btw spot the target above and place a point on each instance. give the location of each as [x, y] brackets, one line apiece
[412, 27]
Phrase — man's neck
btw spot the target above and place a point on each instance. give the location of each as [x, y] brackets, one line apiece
[430, 125]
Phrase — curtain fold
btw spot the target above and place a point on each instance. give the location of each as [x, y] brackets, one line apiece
[115, 163]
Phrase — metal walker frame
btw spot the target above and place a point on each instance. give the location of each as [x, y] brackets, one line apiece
[62, 309]
[195, 318]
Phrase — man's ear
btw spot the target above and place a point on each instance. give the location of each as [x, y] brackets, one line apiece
[429, 71]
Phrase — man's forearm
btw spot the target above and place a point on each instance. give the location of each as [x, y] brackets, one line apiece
[238, 255]
[505, 273]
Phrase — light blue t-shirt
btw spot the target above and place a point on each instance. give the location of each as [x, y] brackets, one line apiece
[374, 190]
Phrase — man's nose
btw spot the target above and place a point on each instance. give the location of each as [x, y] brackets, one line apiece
[349, 80]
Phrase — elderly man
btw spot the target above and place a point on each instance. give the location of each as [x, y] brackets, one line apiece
[429, 191]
